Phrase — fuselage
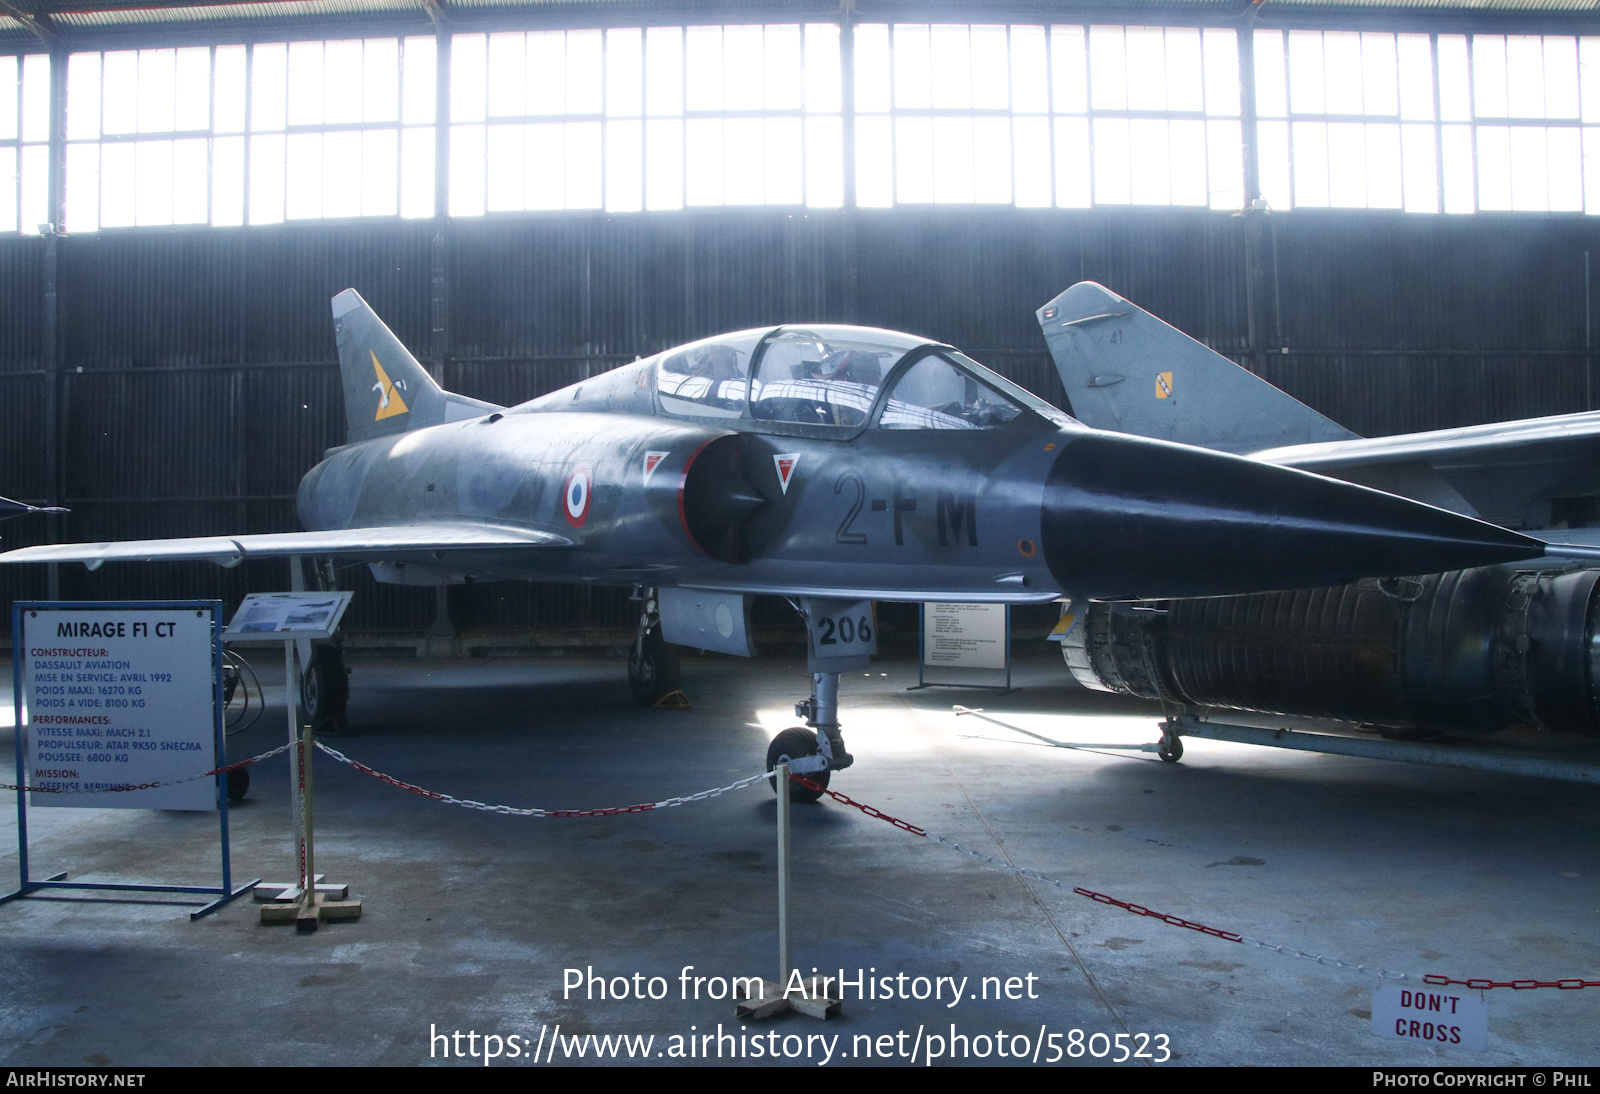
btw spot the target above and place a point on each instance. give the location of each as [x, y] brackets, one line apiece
[842, 461]
[649, 497]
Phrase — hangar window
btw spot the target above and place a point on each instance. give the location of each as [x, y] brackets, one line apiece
[259, 134]
[655, 118]
[1069, 116]
[1428, 123]
[24, 148]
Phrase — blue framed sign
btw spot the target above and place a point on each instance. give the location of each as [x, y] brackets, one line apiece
[119, 705]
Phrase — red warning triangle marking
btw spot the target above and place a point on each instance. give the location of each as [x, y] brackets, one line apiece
[785, 462]
[652, 460]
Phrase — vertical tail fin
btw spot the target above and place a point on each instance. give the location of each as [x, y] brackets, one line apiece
[1126, 370]
[386, 390]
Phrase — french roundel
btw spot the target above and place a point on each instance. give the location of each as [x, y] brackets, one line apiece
[575, 498]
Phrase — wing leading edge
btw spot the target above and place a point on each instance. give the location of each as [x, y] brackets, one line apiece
[1440, 445]
[229, 551]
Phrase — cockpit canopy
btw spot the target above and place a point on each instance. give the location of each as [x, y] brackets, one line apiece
[832, 377]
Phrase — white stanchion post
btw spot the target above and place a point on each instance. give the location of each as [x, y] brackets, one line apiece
[296, 758]
[784, 963]
[307, 920]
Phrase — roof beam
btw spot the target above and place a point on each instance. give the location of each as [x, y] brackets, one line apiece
[41, 29]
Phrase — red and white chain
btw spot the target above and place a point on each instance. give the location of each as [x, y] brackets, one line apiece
[513, 811]
[147, 786]
[1571, 984]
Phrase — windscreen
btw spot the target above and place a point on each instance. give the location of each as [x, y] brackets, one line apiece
[707, 379]
[826, 376]
[935, 394]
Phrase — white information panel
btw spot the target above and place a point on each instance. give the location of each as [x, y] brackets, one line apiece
[965, 644]
[287, 615]
[1444, 1017]
[116, 696]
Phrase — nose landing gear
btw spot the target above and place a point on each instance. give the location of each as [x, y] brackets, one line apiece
[654, 664]
[795, 746]
[812, 754]
[818, 751]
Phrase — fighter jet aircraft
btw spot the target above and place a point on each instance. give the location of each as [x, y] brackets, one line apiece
[832, 465]
[1471, 650]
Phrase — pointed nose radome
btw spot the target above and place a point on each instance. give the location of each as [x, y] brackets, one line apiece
[1127, 518]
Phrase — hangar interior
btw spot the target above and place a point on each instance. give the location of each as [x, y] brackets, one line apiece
[1381, 208]
[165, 378]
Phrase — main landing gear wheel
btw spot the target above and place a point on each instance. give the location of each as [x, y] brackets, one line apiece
[238, 783]
[1171, 749]
[654, 667]
[792, 744]
[325, 691]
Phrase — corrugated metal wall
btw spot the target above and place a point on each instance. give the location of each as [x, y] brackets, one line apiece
[199, 379]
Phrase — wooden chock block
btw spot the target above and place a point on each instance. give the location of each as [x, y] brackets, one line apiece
[306, 918]
[268, 891]
[813, 1003]
[331, 910]
[816, 1005]
[280, 892]
[768, 1003]
[279, 913]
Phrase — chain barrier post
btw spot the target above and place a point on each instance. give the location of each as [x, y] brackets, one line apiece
[291, 687]
[306, 921]
[774, 997]
[785, 965]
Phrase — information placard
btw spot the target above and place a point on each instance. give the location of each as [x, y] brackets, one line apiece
[1444, 1016]
[965, 636]
[965, 645]
[117, 696]
[287, 615]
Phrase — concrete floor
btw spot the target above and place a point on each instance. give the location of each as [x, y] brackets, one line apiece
[472, 918]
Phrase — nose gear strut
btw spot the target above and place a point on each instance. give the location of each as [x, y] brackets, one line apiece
[821, 713]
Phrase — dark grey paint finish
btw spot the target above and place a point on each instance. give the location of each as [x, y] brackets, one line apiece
[1128, 371]
[1025, 511]
[1022, 509]
[209, 382]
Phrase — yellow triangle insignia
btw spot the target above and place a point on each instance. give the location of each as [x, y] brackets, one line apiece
[389, 401]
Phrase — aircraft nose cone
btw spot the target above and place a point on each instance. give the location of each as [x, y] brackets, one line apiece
[1128, 518]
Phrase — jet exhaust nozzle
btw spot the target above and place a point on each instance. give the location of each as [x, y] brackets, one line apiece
[1127, 518]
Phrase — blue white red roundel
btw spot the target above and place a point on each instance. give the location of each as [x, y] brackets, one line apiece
[575, 497]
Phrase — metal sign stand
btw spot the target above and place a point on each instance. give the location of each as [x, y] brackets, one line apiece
[310, 900]
[295, 619]
[27, 884]
[811, 1001]
[922, 655]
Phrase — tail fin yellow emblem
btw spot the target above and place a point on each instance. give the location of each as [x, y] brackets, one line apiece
[1163, 385]
[389, 401]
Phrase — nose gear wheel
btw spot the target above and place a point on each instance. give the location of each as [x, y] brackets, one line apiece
[793, 744]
